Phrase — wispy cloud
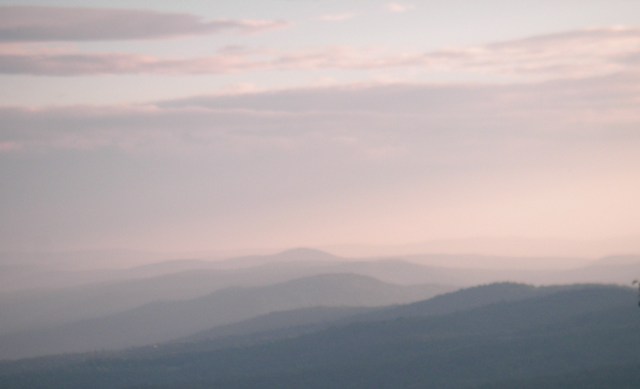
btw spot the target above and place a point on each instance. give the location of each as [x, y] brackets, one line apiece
[399, 7]
[9, 147]
[556, 114]
[96, 64]
[572, 54]
[411, 151]
[334, 18]
[23, 23]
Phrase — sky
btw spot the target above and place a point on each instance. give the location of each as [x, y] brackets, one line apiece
[222, 125]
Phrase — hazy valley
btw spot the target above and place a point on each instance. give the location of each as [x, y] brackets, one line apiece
[331, 194]
[306, 316]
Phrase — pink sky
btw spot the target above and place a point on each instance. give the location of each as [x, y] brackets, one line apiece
[194, 128]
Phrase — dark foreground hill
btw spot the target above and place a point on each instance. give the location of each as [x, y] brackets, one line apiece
[549, 340]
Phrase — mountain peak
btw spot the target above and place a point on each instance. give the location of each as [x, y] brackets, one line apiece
[304, 253]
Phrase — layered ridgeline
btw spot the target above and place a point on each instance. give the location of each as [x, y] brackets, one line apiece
[163, 321]
[494, 336]
[116, 291]
[43, 308]
[168, 300]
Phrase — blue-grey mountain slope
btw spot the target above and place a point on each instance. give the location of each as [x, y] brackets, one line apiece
[547, 337]
[38, 310]
[163, 321]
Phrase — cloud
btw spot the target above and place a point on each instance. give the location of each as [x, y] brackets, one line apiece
[611, 98]
[117, 63]
[9, 147]
[375, 118]
[399, 7]
[445, 159]
[333, 18]
[580, 53]
[571, 54]
[39, 24]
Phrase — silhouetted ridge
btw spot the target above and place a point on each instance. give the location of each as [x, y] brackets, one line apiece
[282, 322]
[463, 299]
[168, 320]
[546, 338]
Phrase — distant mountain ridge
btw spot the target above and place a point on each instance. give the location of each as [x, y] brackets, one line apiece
[518, 343]
[163, 321]
[39, 309]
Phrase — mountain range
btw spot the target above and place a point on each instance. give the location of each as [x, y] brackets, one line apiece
[555, 337]
[167, 320]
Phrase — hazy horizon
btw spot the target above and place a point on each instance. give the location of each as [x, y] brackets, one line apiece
[516, 247]
[412, 126]
[319, 194]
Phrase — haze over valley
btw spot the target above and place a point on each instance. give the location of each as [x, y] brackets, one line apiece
[319, 194]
